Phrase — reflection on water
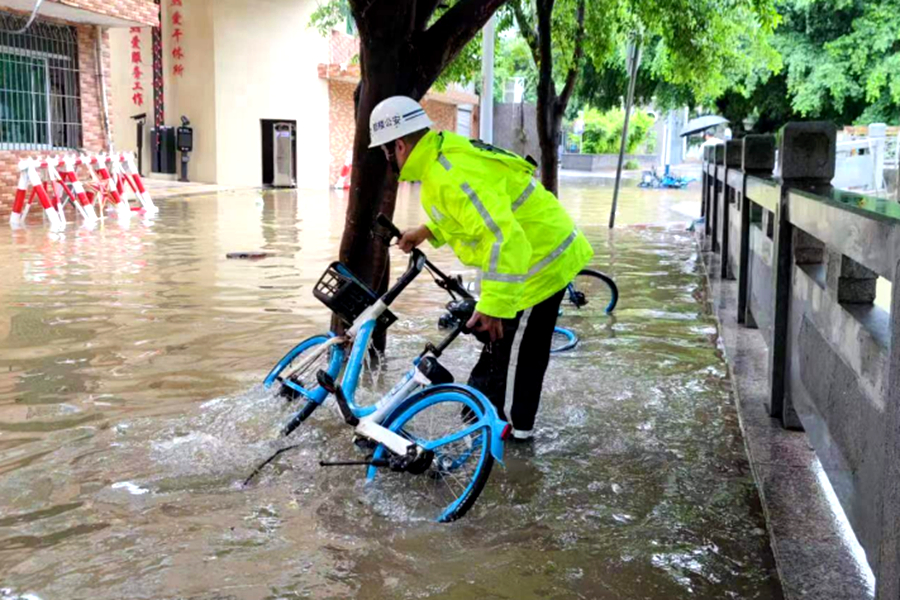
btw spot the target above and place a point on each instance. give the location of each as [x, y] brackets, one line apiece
[130, 410]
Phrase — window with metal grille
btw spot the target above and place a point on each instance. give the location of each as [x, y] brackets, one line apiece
[40, 96]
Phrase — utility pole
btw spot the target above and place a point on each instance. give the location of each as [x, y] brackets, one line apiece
[486, 108]
[634, 60]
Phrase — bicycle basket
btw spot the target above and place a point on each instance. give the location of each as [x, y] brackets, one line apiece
[347, 296]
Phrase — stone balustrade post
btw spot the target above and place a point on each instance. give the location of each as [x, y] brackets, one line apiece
[887, 573]
[807, 160]
[715, 188]
[757, 159]
[734, 151]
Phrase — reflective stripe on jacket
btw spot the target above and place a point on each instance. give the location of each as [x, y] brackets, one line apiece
[486, 205]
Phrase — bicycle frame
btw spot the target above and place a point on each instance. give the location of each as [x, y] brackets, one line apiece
[414, 381]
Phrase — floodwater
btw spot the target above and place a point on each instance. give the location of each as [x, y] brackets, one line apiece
[131, 410]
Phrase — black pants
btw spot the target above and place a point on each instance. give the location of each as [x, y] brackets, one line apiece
[510, 371]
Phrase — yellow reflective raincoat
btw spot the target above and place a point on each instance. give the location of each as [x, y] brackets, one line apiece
[485, 203]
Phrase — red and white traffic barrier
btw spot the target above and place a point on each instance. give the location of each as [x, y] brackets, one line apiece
[28, 176]
[82, 201]
[55, 182]
[108, 189]
[124, 168]
[343, 182]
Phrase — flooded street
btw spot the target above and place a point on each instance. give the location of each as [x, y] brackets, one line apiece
[131, 409]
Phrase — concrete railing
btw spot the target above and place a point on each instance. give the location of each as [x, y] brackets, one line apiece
[806, 258]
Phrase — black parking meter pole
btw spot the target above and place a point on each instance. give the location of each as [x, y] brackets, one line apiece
[185, 145]
[185, 157]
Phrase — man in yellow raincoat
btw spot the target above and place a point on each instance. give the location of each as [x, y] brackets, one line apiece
[487, 206]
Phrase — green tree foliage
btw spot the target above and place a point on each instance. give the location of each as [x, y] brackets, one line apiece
[842, 52]
[841, 63]
[513, 59]
[666, 79]
[700, 47]
[603, 130]
[335, 14]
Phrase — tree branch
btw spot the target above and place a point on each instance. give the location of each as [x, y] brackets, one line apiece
[424, 10]
[358, 9]
[369, 16]
[443, 41]
[527, 30]
[575, 67]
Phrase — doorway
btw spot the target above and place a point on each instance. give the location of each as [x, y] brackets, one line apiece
[267, 127]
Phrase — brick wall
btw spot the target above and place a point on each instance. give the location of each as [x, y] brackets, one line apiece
[342, 47]
[443, 115]
[94, 134]
[342, 127]
[93, 129]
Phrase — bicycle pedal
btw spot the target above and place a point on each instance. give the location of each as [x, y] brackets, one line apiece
[326, 382]
[288, 393]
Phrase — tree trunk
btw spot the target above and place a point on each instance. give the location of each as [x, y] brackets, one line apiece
[550, 105]
[549, 140]
[372, 185]
[547, 120]
[399, 55]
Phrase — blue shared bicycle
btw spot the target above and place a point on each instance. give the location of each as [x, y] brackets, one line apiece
[432, 441]
[590, 297]
[650, 179]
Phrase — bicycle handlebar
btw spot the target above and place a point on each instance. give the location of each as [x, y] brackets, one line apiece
[417, 262]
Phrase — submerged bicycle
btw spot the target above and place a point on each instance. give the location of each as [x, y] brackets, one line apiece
[650, 179]
[590, 295]
[439, 437]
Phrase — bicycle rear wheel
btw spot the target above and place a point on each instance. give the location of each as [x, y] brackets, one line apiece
[295, 374]
[453, 425]
[588, 300]
[591, 294]
[563, 340]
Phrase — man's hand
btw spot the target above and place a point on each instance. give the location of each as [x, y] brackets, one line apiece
[411, 238]
[492, 325]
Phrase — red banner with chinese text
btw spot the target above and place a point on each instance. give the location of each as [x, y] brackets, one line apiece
[177, 35]
[137, 63]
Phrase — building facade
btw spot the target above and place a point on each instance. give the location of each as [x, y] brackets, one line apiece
[55, 77]
[452, 109]
[236, 67]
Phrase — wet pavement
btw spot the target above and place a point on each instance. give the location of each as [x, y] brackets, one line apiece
[131, 410]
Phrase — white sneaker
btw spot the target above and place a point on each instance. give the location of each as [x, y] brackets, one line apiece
[520, 434]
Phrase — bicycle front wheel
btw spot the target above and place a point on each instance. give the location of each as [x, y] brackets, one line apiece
[454, 426]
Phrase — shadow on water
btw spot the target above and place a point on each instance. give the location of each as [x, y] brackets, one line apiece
[131, 410]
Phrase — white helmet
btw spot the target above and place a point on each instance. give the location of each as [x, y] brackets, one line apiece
[394, 118]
